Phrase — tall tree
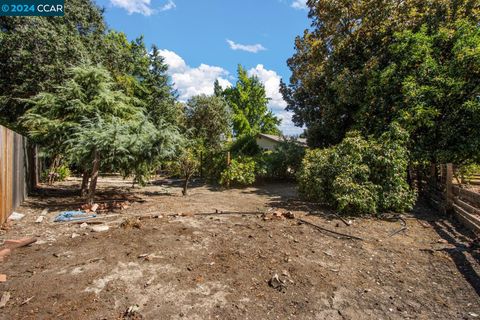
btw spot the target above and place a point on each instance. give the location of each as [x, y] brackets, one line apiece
[98, 127]
[335, 85]
[209, 120]
[249, 105]
[160, 97]
[431, 86]
[217, 89]
[36, 52]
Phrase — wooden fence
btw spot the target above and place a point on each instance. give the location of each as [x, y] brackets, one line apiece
[17, 173]
[448, 195]
[466, 207]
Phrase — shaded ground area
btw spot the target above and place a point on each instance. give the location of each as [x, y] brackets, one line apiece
[219, 266]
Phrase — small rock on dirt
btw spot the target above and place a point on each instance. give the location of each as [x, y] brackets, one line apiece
[276, 283]
[131, 222]
[277, 215]
[75, 235]
[289, 215]
[99, 228]
[40, 219]
[16, 216]
[4, 299]
[132, 312]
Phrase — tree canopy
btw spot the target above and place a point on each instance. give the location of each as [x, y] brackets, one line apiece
[36, 52]
[98, 127]
[209, 119]
[249, 105]
[366, 64]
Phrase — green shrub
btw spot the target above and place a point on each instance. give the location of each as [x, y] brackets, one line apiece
[59, 174]
[213, 164]
[285, 161]
[241, 171]
[360, 176]
[467, 172]
[245, 145]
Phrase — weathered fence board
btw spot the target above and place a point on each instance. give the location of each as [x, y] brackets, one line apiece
[13, 171]
[466, 206]
[467, 195]
[471, 221]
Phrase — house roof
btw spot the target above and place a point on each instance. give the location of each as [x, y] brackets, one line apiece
[301, 141]
[271, 137]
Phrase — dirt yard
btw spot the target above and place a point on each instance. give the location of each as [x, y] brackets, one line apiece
[173, 264]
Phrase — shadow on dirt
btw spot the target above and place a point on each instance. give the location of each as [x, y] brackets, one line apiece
[464, 258]
[193, 184]
[67, 197]
[458, 237]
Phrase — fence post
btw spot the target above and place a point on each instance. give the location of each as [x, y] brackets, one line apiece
[448, 186]
[201, 164]
[229, 161]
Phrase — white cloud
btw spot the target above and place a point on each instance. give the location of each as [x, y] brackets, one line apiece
[271, 81]
[134, 6]
[193, 81]
[168, 6]
[253, 48]
[287, 126]
[175, 63]
[141, 6]
[299, 4]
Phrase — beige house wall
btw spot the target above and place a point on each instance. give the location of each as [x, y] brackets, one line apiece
[266, 144]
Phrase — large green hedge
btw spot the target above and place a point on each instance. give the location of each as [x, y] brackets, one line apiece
[360, 176]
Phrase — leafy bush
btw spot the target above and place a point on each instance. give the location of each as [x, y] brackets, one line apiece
[360, 176]
[58, 174]
[213, 164]
[245, 145]
[466, 172]
[241, 171]
[285, 161]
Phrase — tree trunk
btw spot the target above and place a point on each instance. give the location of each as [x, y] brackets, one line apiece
[419, 180]
[229, 161]
[93, 178]
[85, 178]
[433, 175]
[32, 165]
[53, 168]
[409, 177]
[185, 186]
[201, 165]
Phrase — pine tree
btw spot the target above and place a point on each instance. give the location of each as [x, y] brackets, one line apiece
[36, 52]
[98, 127]
[217, 89]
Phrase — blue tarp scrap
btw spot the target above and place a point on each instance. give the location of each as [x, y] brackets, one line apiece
[73, 216]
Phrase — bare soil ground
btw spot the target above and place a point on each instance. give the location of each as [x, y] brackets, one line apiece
[218, 266]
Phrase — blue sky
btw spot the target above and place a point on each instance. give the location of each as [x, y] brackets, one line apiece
[203, 40]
